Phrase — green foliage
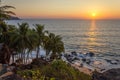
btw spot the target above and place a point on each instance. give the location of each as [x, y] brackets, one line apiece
[39, 30]
[23, 40]
[62, 71]
[5, 13]
[33, 74]
[56, 70]
[53, 43]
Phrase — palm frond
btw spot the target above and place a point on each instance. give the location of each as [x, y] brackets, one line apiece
[6, 7]
[8, 12]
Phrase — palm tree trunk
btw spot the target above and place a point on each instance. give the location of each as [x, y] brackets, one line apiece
[31, 55]
[38, 50]
[7, 54]
[24, 57]
[27, 58]
[47, 53]
[21, 55]
[13, 59]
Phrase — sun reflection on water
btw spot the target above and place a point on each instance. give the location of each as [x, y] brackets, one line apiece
[92, 30]
[92, 35]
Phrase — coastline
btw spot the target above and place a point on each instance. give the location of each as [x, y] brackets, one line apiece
[75, 60]
[88, 64]
[99, 63]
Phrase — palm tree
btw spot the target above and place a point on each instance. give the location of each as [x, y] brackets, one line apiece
[5, 13]
[23, 39]
[5, 39]
[47, 45]
[11, 30]
[39, 29]
[5, 33]
[53, 43]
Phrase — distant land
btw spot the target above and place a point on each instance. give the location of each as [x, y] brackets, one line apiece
[14, 18]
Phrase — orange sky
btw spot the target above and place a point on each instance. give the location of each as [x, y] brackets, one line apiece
[78, 9]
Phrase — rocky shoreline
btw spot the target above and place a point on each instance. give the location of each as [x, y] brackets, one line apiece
[91, 61]
[112, 74]
[100, 67]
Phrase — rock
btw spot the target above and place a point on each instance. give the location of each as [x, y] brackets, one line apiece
[12, 77]
[39, 62]
[90, 54]
[113, 74]
[4, 69]
[19, 61]
[74, 53]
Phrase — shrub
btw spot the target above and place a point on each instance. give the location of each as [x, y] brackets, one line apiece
[56, 70]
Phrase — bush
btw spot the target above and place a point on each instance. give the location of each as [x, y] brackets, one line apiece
[56, 70]
[62, 71]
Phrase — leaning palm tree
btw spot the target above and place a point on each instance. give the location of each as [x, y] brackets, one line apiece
[39, 29]
[47, 45]
[5, 13]
[54, 45]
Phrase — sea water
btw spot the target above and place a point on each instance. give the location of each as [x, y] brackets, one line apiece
[97, 36]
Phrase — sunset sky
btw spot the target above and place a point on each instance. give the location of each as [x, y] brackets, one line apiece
[78, 9]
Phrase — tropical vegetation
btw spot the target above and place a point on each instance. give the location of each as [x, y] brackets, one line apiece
[22, 40]
[4, 12]
[56, 70]
[17, 42]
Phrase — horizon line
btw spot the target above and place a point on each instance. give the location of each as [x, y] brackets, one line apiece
[73, 18]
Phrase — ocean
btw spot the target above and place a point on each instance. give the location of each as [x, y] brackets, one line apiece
[97, 36]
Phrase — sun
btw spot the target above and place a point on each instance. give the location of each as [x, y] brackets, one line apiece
[93, 14]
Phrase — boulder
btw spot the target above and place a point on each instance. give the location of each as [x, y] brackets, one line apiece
[90, 54]
[113, 74]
